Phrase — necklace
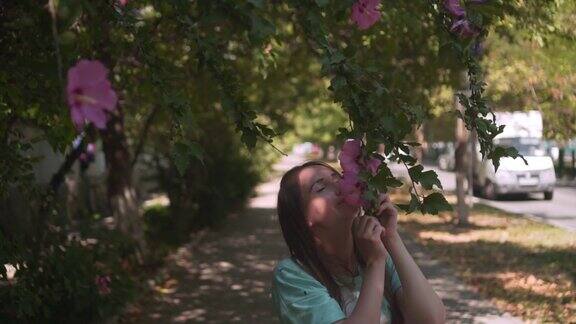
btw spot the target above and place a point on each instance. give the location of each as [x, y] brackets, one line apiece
[350, 269]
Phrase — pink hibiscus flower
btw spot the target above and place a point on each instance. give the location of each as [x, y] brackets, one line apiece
[351, 152]
[352, 162]
[454, 7]
[461, 25]
[351, 189]
[372, 165]
[464, 28]
[89, 154]
[90, 94]
[365, 13]
[103, 284]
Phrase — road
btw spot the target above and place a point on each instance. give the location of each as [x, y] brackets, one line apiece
[561, 211]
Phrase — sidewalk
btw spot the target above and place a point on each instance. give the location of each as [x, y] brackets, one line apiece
[226, 277]
[463, 305]
[563, 182]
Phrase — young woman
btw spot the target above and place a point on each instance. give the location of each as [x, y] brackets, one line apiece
[344, 268]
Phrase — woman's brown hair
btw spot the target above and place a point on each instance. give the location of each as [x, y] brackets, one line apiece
[299, 239]
[297, 234]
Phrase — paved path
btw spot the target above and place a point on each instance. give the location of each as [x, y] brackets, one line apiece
[226, 277]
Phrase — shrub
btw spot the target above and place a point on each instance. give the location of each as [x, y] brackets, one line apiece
[70, 280]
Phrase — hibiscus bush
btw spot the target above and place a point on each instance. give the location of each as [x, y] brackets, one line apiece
[77, 279]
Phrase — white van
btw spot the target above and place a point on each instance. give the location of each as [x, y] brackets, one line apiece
[524, 132]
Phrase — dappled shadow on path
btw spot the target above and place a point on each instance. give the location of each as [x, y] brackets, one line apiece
[534, 273]
[516, 274]
[463, 305]
[226, 278]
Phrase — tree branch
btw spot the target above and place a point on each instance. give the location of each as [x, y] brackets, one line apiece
[69, 160]
[144, 135]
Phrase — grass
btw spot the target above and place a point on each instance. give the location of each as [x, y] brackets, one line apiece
[525, 267]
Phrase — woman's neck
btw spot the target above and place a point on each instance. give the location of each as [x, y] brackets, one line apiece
[338, 253]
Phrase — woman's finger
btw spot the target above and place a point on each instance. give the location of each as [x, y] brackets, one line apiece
[361, 225]
[371, 223]
[374, 226]
[365, 225]
[386, 209]
[379, 233]
[356, 224]
[383, 233]
[383, 198]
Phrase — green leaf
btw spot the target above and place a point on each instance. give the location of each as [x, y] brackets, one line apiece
[336, 58]
[337, 83]
[267, 131]
[500, 152]
[261, 30]
[427, 179]
[369, 195]
[384, 180]
[435, 203]
[412, 206]
[257, 3]
[248, 138]
[183, 153]
[322, 3]
[408, 159]
[180, 157]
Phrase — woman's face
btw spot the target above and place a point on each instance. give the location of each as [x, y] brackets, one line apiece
[323, 206]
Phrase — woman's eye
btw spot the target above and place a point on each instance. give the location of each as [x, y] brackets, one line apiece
[320, 189]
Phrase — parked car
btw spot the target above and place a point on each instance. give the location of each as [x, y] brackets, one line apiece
[524, 132]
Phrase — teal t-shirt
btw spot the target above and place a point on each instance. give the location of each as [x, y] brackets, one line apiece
[299, 298]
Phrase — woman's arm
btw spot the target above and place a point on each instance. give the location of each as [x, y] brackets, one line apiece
[417, 299]
[367, 232]
[369, 303]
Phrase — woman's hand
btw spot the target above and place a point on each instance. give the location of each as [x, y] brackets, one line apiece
[387, 215]
[417, 300]
[367, 233]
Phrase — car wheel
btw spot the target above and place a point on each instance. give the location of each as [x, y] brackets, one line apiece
[548, 195]
[490, 191]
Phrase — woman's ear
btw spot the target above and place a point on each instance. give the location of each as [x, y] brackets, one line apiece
[310, 219]
[310, 216]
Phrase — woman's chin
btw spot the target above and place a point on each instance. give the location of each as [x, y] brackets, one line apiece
[350, 211]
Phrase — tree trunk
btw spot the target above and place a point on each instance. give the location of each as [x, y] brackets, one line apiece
[121, 193]
[461, 169]
[122, 199]
[573, 162]
[420, 151]
[561, 154]
[472, 164]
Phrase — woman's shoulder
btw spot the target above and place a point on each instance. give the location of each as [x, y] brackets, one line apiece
[286, 263]
[289, 267]
[299, 298]
[288, 273]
